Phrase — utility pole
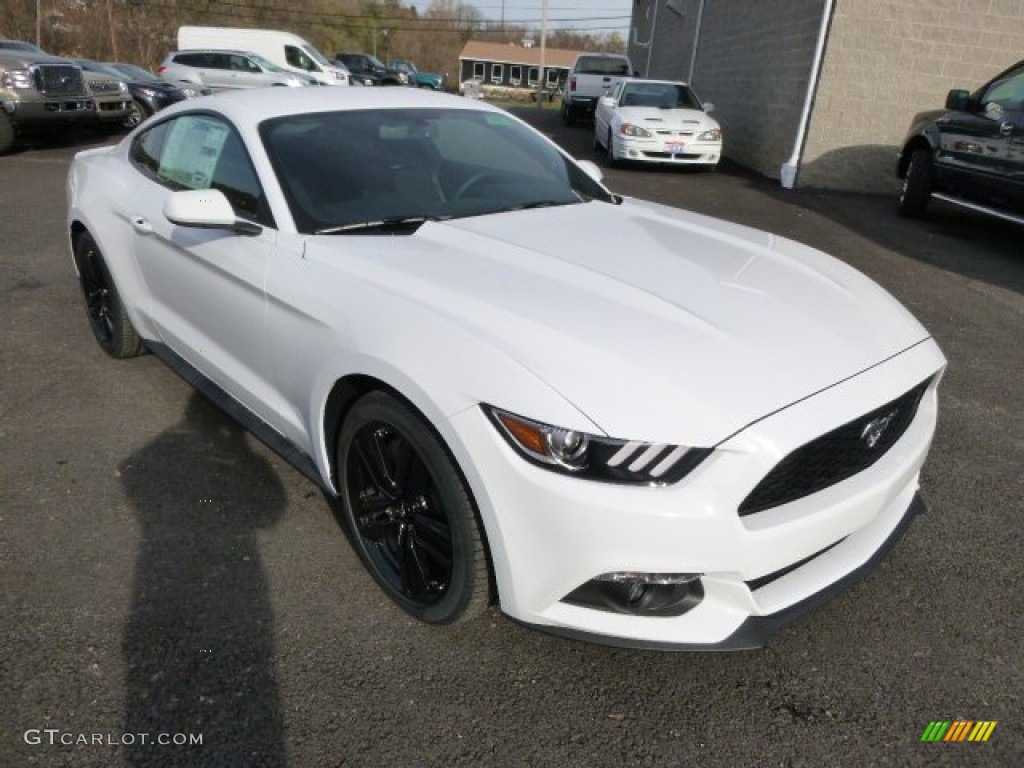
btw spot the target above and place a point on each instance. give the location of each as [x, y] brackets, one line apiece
[541, 86]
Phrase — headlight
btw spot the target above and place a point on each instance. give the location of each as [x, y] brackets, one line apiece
[17, 78]
[403, 77]
[149, 93]
[715, 134]
[595, 457]
[122, 86]
[190, 93]
[628, 129]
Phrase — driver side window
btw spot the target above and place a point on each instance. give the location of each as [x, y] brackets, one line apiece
[200, 151]
[1008, 92]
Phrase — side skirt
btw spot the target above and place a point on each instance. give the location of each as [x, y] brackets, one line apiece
[252, 423]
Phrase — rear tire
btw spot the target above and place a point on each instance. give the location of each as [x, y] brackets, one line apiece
[570, 114]
[6, 133]
[410, 512]
[917, 185]
[108, 318]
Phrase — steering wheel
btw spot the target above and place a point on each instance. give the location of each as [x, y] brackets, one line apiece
[474, 180]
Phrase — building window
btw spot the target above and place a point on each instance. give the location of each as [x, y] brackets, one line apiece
[497, 72]
[532, 77]
[478, 70]
[551, 78]
[515, 74]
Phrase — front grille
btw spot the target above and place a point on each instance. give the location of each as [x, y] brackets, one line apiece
[105, 86]
[59, 80]
[835, 456]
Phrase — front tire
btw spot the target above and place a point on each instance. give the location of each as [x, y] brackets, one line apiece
[917, 185]
[108, 318]
[613, 161]
[137, 112]
[410, 513]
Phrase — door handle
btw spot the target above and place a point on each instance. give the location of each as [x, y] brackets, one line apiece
[1006, 128]
[141, 225]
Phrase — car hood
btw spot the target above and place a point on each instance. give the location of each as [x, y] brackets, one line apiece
[658, 324]
[651, 117]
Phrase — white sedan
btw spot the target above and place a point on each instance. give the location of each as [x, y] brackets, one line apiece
[621, 421]
[657, 121]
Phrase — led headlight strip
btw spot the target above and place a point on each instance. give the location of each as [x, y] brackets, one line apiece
[595, 457]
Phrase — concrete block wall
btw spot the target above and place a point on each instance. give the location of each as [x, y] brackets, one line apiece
[888, 60]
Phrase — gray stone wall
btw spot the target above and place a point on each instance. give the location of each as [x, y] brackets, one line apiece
[754, 62]
[888, 60]
[674, 28]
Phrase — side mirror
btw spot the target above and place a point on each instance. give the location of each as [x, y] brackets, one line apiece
[709, 106]
[205, 209]
[958, 99]
[591, 169]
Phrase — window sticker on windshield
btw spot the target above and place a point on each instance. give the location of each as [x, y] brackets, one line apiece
[498, 120]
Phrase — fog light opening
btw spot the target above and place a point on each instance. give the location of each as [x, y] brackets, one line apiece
[640, 594]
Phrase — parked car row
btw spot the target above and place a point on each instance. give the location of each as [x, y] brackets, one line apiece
[40, 92]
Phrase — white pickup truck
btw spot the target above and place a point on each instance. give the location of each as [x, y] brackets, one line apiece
[591, 77]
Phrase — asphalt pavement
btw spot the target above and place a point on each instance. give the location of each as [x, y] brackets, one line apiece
[166, 577]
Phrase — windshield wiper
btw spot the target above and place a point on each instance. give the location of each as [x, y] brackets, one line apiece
[541, 204]
[411, 223]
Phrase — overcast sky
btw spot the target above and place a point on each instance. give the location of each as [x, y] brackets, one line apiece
[577, 14]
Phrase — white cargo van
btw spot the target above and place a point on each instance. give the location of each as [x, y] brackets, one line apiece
[288, 51]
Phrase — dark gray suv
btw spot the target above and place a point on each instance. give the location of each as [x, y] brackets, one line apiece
[971, 153]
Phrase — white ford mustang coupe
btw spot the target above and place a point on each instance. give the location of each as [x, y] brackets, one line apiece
[625, 422]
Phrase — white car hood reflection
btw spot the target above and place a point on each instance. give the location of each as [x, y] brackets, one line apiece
[658, 324]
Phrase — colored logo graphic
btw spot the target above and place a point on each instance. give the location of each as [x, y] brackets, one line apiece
[958, 730]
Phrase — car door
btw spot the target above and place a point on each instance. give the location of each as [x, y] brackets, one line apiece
[206, 286]
[973, 157]
[1003, 103]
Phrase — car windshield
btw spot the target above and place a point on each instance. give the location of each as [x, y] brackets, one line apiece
[132, 71]
[265, 64]
[601, 65]
[315, 55]
[106, 69]
[18, 45]
[343, 170]
[659, 95]
[376, 62]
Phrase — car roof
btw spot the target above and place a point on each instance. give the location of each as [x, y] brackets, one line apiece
[214, 50]
[645, 80]
[252, 106]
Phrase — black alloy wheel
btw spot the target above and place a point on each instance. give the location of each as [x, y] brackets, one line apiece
[108, 318]
[410, 513]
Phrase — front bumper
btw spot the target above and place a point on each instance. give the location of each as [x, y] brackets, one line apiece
[51, 111]
[550, 534]
[672, 150]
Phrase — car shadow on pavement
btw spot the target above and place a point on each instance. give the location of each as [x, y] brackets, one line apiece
[199, 643]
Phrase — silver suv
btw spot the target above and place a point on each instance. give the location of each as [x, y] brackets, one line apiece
[225, 70]
[38, 91]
